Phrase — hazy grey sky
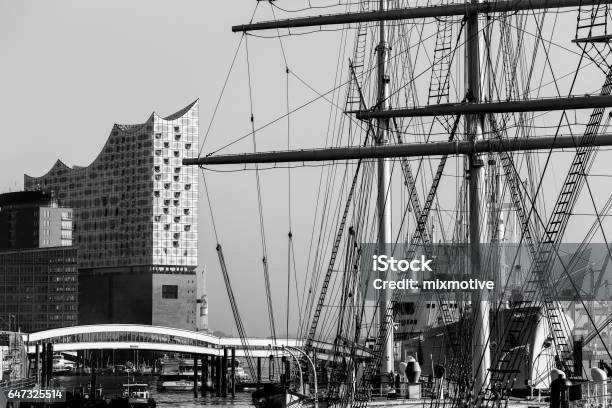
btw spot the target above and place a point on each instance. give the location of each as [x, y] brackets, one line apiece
[70, 69]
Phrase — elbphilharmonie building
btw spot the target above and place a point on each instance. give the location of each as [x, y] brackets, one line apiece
[135, 222]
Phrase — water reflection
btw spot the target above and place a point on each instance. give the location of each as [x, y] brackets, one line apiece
[112, 385]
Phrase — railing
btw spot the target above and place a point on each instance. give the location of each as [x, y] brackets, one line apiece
[594, 394]
[20, 383]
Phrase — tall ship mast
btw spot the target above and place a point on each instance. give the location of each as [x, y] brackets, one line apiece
[499, 109]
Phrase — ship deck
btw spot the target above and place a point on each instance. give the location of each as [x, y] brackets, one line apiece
[512, 403]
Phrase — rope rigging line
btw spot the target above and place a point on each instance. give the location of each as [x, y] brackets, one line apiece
[339, 234]
[324, 240]
[228, 287]
[307, 103]
[290, 248]
[323, 200]
[311, 7]
[260, 208]
[227, 77]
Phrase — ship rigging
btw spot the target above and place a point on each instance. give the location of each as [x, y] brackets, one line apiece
[492, 132]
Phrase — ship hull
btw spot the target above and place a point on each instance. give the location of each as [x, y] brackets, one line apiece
[274, 396]
[449, 347]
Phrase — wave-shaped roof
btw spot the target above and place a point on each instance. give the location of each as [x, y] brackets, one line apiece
[182, 112]
[125, 128]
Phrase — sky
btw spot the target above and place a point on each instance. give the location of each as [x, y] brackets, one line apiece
[71, 69]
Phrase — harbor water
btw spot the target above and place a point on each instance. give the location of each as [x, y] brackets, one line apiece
[111, 385]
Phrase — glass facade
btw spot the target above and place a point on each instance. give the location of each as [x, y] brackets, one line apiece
[135, 204]
[38, 288]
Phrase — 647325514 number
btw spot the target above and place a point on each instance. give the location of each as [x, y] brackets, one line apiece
[36, 395]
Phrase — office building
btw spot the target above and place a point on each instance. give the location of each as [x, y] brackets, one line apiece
[38, 288]
[33, 219]
[38, 265]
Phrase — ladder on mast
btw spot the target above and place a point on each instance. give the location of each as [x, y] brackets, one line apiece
[354, 97]
[439, 88]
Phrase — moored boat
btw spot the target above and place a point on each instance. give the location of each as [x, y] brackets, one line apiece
[175, 383]
[137, 395]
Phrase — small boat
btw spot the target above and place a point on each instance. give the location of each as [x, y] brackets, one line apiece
[137, 395]
[175, 383]
[176, 374]
[144, 369]
[240, 374]
[61, 365]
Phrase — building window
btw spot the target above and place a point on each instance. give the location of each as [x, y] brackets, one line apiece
[177, 137]
[187, 146]
[177, 129]
[169, 291]
[166, 144]
[176, 153]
